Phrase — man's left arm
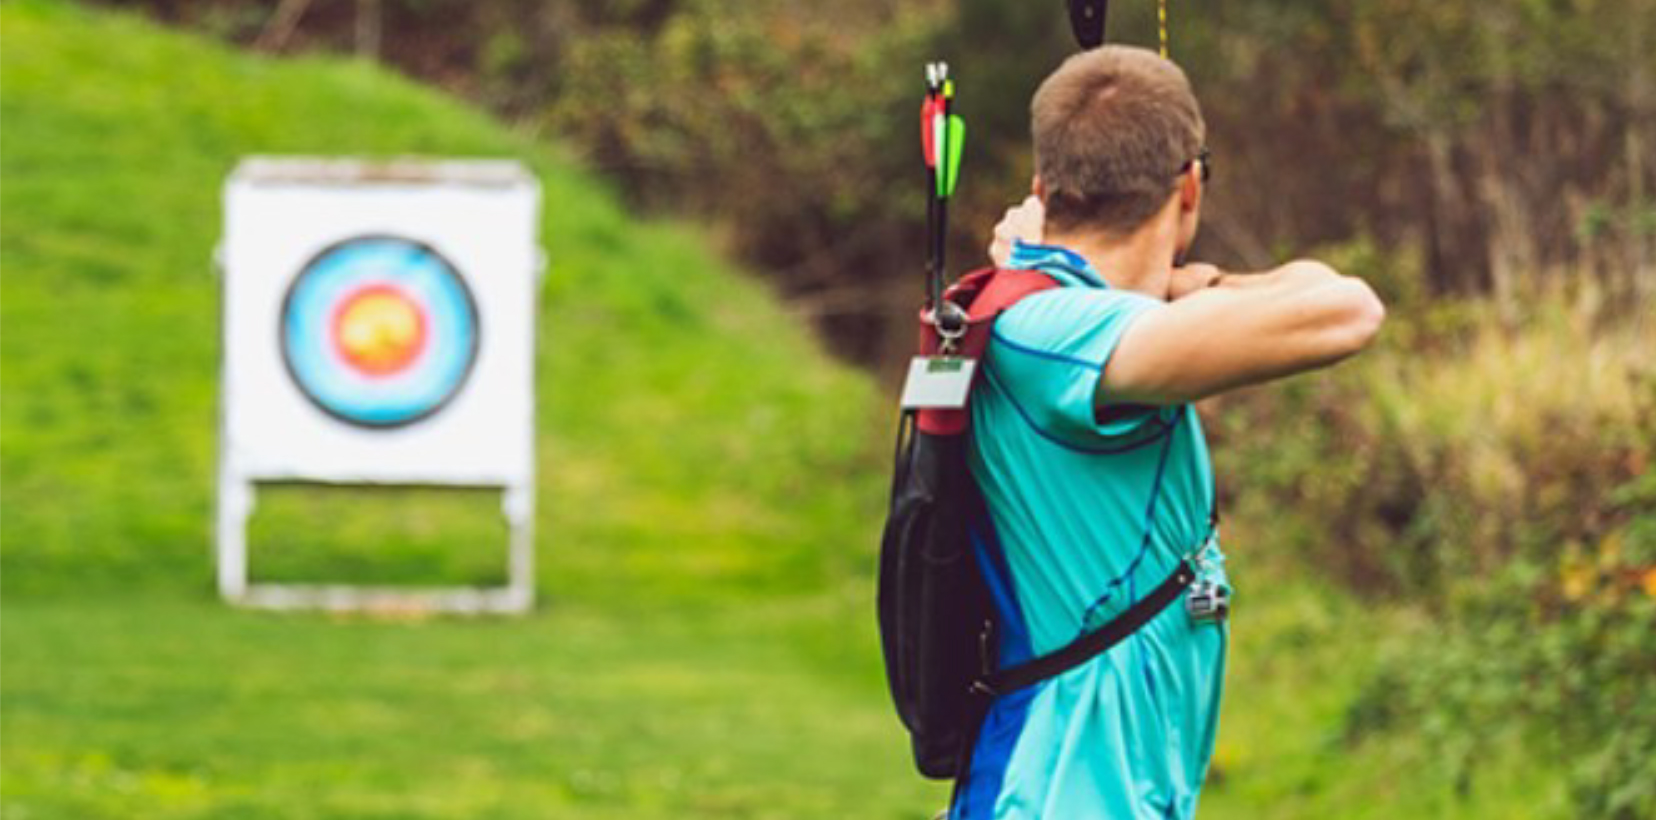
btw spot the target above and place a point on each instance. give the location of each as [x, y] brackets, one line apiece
[1230, 330]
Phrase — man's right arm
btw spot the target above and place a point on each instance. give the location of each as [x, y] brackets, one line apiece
[1243, 329]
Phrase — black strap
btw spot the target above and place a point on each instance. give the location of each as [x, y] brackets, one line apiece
[1093, 643]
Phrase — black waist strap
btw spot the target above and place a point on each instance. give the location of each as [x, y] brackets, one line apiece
[1093, 643]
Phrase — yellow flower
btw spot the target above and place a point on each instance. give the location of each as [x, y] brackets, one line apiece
[1578, 581]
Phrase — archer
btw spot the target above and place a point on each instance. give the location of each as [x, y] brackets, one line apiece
[1091, 458]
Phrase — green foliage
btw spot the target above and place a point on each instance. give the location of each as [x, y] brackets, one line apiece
[1496, 472]
[1509, 141]
[1305, 659]
[793, 126]
[1559, 658]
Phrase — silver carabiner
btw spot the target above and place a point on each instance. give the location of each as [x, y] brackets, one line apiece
[1206, 601]
[951, 323]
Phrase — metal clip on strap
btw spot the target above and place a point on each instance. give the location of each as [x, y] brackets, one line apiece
[951, 322]
[1093, 643]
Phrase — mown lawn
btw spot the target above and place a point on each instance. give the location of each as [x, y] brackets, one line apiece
[180, 709]
[136, 706]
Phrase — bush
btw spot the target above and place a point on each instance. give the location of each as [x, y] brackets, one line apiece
[1494, 470]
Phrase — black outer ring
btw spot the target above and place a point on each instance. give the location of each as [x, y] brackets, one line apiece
[471, 308]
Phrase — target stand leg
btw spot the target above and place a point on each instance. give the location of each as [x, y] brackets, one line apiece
[235, 504]
[518, 505]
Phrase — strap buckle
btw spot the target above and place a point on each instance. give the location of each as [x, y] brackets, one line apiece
[1205, 600]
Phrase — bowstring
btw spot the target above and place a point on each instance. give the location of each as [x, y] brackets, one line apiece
[1161, 25]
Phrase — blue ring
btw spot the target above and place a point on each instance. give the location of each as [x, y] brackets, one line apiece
[430, 382]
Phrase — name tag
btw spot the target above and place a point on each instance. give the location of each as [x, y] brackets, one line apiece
[939, 382]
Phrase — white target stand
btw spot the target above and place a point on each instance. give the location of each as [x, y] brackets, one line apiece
[378, 329]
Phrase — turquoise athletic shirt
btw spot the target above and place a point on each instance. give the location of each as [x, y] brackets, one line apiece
[1085, 518]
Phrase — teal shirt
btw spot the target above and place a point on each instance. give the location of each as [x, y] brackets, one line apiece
[1086, 518]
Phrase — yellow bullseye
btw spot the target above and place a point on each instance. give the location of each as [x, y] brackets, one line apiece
[379, 330]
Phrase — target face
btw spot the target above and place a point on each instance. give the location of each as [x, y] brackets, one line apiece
[379, 331]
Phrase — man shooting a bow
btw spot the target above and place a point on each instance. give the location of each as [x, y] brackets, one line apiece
[1091, 457]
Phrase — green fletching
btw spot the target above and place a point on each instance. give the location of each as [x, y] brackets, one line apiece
[957, 142]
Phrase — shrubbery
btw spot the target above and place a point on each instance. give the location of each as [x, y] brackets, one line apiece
[1511, 142]
[1495, 471]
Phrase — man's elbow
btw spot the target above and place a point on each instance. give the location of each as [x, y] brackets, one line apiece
[1357, 316]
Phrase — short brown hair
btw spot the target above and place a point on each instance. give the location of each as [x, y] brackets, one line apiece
[1112, 128]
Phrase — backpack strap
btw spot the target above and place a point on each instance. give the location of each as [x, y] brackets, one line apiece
[984, 294]
[1006, 288]
[1093, 643]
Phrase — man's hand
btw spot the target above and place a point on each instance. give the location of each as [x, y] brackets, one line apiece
[1191, 278]
[1025, 221]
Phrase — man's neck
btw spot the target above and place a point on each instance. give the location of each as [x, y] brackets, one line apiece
[1141, 261]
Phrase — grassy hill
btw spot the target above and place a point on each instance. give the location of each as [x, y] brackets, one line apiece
[705, 517]
[682, 412]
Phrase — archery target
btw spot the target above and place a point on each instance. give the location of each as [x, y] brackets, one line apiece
[379, 327]
[380, 322]
[379, 331]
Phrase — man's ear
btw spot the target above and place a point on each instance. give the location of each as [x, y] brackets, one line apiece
[1036, 188]
[1190, 188]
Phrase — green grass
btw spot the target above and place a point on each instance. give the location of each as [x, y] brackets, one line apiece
[710, 489]
[146, 707]
[192, 711]
[378, 536]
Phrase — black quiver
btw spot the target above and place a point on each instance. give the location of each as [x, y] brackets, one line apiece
[934, 608]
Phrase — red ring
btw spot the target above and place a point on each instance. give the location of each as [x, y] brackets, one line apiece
[378, 365]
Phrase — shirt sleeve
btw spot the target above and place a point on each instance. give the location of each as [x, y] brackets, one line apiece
[1049, 351]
